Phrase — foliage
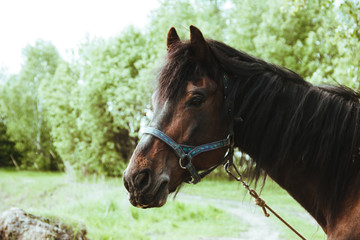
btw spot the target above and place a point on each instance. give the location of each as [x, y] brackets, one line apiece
[348, 31]
[305, 36]
[23, 108]
[85, 113]
[209, 15]
[96, 104]
[8, 153]
[61, 107]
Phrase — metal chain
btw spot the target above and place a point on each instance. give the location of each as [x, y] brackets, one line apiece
[258, 201]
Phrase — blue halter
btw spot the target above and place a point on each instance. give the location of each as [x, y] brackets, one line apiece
[187, 153]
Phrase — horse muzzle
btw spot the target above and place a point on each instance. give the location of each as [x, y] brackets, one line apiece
[145, 190]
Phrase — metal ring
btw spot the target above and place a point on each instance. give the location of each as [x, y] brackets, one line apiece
[180, 163]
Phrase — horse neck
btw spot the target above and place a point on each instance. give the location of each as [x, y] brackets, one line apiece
[300, 186]
[277, 135]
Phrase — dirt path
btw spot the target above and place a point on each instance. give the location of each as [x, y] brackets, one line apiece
[259, 228]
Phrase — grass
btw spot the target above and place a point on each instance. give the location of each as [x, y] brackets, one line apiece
[102, 206]
[274, 196]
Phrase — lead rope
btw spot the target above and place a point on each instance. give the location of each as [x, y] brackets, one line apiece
[258, 201]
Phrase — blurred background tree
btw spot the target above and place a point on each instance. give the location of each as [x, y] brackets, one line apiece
[95, 104]
[23, 108]
[8, 153]
[84, 114]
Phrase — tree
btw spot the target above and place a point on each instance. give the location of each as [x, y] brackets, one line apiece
[348, 39]
[8, 154]
[113, 99]
[62, 110]
[314, 38]
[25, 120]
[242, 23]
[96, 104]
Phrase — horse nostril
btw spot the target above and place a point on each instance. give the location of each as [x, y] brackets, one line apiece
[142, 180]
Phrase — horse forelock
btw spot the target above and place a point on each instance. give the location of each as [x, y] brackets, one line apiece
[180, 68]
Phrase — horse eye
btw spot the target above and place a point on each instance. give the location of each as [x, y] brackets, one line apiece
[195, 101]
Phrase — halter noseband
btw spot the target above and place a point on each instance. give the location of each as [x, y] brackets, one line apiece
[187, 153]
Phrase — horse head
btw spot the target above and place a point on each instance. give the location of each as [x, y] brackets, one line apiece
[190, 128]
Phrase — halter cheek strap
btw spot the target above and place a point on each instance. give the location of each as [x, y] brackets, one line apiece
[186, 153]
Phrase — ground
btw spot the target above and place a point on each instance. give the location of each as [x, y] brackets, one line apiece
[210, 210]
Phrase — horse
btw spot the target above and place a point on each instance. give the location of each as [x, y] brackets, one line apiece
[211, 98]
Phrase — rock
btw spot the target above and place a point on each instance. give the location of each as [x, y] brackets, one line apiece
[17, 224]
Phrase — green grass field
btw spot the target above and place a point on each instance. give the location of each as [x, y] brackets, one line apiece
[102, 207]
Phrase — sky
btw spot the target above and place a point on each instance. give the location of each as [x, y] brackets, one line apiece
[64, 22]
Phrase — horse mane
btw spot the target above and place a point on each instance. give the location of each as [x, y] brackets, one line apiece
[316, 128]
[342, 91]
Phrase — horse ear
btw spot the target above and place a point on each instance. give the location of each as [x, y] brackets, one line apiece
[199, 44]
[172, 38]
